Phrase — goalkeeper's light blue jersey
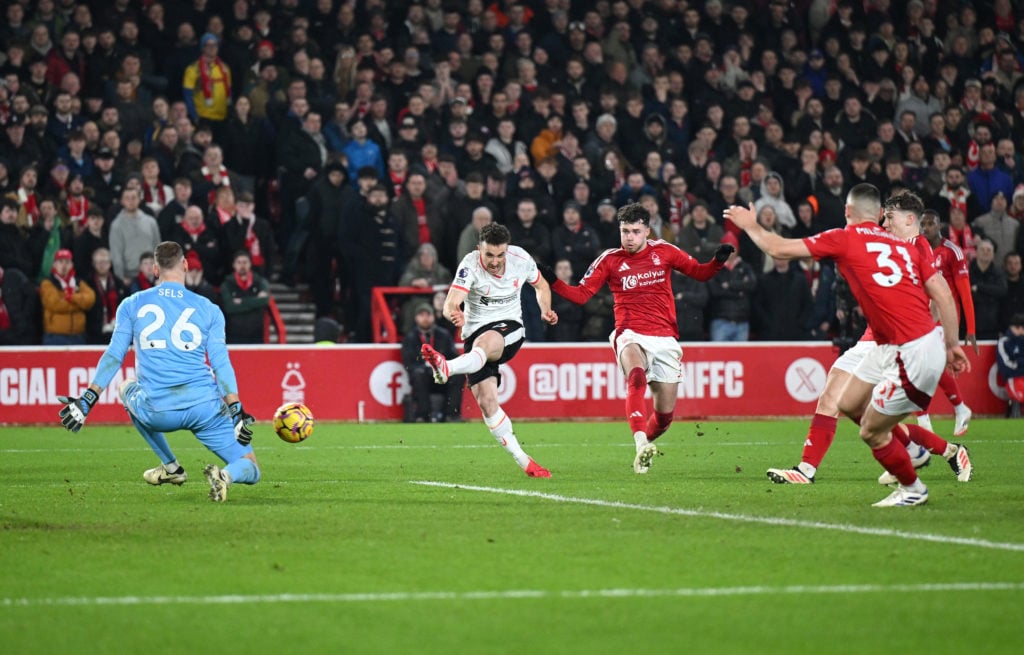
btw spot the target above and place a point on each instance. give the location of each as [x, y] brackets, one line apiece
[173, 331]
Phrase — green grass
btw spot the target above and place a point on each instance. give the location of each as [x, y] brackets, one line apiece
[338, 517]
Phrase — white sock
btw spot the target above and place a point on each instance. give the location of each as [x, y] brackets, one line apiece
[641, 440]
[500, 426]
[470, 362]
[917, 488]
[951, 449]
[807, 469]
[172, 467]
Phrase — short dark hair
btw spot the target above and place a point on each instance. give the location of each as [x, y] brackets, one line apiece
[907, 201]
[495, 234]
[864, 193]
[168, 255]
[634, 213]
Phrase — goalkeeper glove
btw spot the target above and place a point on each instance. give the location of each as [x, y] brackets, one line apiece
[723, 252]
[242, 420]
[548, 274]
[72, 415]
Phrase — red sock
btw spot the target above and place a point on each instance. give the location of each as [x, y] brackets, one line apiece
[950, 387]
[636, 407]
[920, 413]
[894, 458]
[819, 439]
[901, 434]
[933, 442]
[657, 424]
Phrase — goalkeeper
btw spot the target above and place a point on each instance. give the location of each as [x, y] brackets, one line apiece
[174, 331]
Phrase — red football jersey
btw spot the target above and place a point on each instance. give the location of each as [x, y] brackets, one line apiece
[886, 275]
[641, 285]
[952, 263]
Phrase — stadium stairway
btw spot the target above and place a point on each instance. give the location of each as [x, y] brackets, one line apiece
[297, 312]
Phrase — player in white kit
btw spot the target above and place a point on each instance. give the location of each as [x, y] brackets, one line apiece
[489, 281]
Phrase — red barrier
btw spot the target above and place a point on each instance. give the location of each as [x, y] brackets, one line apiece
[544, 381]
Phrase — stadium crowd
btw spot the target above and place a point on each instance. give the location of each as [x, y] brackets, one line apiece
[358, 144]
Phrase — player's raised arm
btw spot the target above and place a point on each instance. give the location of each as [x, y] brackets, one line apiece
[770, 243]
[595, 277]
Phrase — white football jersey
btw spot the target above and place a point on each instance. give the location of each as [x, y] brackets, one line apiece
[493, 298]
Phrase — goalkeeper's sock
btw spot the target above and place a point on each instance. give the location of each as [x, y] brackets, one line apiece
[470, 362]
[243, 471]
[636, 406]
[156, 440]
[500, 426]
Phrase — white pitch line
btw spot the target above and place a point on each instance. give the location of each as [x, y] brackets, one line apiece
[699, 441]
[511, 594]
[408, 446]
[742, 518]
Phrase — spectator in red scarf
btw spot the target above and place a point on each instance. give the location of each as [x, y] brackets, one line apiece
[961, 233]
[28, 201]
[195, 281]
[65, 303]
[201, 236]
[244, 298]
[110, 291]
[207, 83]
[245, 231]
[146, 278]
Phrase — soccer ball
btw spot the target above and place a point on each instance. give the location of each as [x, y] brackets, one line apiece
[293, 422]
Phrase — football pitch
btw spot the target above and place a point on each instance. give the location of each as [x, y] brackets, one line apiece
[397, 538]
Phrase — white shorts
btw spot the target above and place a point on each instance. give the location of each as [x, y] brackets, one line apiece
[848, 360]
[664, 355]
[905, 376]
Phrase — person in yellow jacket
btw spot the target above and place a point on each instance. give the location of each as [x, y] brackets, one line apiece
[66, 301]
[206, 85]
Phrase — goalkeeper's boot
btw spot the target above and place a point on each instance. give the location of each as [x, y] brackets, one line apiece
[919, 457]
[535, 470]
[219, 483]
[159, 475]
[436, 361]
[644, 457]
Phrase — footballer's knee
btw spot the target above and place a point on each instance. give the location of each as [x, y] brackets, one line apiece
[124, 387]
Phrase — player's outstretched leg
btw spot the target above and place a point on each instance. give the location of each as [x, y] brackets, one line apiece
[820, 436]
[436, 361]
[169, 471]
[500, 426]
